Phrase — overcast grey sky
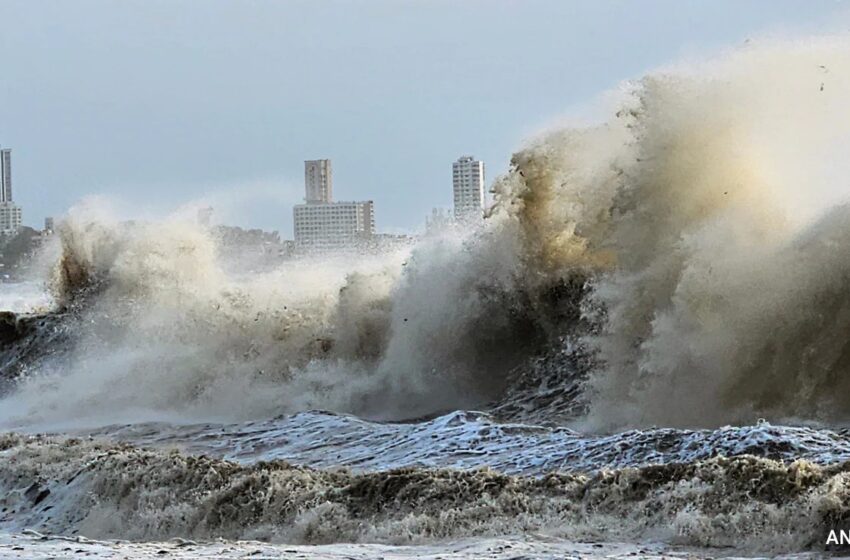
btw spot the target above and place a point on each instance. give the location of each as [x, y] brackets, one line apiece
[161, 102]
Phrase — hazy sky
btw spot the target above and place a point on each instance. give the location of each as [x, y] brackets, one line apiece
[161, 102]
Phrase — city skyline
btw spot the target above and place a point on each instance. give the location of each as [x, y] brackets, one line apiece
[130, 101]
[467, 187]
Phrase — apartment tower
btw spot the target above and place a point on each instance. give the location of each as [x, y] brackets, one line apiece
[468, 183]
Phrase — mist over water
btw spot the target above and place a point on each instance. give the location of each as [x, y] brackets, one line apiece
[164, 330]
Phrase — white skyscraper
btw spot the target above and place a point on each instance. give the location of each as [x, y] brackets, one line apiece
[318, 180]
[468, 183]
[322, 223]
[10, 215]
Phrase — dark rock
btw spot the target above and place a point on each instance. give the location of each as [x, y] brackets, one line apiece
[36, 493]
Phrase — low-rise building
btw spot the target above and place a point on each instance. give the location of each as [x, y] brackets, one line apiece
[333, 224]
[10, 218]
[321, 223]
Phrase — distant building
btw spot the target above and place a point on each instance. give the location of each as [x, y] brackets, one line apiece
[48, 225]
[10, 214]
[468, 186]
[319, 181]
[439, 220]
[333, 224]
[10, 218]
[321, 223]
[205, 216]
[5, 175]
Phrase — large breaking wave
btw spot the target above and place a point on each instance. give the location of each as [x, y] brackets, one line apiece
[683, 263]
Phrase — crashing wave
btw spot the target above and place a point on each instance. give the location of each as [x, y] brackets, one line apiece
[692, 248]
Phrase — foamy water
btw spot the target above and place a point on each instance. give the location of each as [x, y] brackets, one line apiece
[36, 545]
[471, 440]
[652, 322]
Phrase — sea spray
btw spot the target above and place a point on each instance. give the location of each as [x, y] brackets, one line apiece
[683, 262]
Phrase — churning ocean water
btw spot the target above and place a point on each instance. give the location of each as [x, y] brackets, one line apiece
[643, 350]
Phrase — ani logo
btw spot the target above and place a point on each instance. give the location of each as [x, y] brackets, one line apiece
[838, 537]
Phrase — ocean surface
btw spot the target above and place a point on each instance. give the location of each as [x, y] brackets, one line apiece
[641, 351]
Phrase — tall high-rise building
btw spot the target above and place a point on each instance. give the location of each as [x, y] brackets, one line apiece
[319, 181]
[5, 175]
[468, 184]
[321, 223]
[10, 215]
